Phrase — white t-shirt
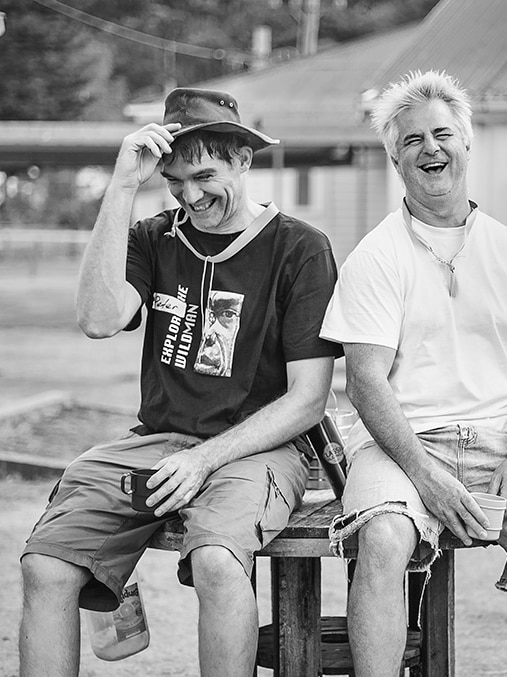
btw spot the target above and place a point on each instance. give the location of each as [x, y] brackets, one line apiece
[451, 353]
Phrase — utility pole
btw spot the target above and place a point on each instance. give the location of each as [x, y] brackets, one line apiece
[307, 15]
[311, 21]
[261, 47]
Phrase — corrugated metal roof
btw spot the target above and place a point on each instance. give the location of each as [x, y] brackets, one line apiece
[311, 100]
[466, 38]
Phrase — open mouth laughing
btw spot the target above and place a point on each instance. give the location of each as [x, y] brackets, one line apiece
[202, 206]
[433, 167]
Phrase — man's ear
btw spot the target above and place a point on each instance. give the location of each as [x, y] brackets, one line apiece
[395, 163]
[245, 158]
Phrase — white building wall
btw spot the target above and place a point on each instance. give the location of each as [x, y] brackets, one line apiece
[152, 198]
[487, 175]
[332, 205]
[376, 189]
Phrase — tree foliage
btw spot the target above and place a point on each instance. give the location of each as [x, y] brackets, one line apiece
[45, 64]
[56, 67]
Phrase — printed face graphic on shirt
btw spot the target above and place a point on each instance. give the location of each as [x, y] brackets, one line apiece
[216, 350]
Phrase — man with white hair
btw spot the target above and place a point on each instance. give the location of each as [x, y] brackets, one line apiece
[421, 310]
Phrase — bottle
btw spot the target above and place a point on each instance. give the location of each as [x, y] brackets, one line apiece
[327, 442]
[123, 632]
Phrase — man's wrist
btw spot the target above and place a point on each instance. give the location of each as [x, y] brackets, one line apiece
[206, 457]
[121, 185]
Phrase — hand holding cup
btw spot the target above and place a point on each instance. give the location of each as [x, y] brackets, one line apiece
[494, 508]
[133, 484]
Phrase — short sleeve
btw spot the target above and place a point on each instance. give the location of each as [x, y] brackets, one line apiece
[366, 306]
[305, 307]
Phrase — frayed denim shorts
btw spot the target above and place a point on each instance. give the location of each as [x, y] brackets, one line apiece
[377, 485]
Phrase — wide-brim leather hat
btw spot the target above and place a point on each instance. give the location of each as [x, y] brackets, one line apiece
[215, 111]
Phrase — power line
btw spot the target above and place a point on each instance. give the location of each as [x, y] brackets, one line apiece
[137, 36]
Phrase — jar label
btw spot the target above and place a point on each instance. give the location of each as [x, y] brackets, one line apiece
[129, 617]
[333, 453]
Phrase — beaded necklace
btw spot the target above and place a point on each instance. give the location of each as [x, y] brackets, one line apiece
[452, 284]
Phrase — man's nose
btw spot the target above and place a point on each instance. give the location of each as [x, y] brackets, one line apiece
[430, 144]
[191, 192]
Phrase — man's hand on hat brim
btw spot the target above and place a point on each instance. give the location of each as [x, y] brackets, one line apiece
[141, 152]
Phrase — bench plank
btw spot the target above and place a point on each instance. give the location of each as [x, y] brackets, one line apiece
[307, 525]
[310, 522]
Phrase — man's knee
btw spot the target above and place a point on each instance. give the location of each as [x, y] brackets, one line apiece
[387, 540]
[214, 567]
[41, 573]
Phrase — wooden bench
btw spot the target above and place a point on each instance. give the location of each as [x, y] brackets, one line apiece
[299, 643]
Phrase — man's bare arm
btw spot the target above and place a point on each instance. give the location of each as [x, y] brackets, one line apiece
[368, 368]
[272, 426]
[106, 302]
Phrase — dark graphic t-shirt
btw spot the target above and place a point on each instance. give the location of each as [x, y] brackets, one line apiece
[219, 334]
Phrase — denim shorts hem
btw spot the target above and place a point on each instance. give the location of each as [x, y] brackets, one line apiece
[344, 527]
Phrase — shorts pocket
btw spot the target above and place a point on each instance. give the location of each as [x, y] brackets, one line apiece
[274, 512]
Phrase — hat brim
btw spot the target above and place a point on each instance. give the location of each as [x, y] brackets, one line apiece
[255, 139]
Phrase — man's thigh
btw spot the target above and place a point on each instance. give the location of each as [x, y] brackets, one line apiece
[90, 522]
[377, 486]
[244, 505]
[469, 452]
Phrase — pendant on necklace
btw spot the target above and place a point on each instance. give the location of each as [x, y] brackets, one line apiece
[452, 281]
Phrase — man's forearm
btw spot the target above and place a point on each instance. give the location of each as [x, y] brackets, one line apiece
[385, 421]
[268, 428]
[278, 422]
[181, 475]
[101, 289]
[443, 495]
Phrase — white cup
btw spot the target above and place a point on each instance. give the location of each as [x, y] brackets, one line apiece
[494, 508]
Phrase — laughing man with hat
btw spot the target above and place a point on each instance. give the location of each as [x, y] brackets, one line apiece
[222, 412]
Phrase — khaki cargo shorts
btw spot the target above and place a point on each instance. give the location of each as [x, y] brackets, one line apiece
[90, 522]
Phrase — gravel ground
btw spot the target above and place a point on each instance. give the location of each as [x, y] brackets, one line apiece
[62, 434]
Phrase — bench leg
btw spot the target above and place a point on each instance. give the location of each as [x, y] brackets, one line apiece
[438, 649]
[296, 597]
